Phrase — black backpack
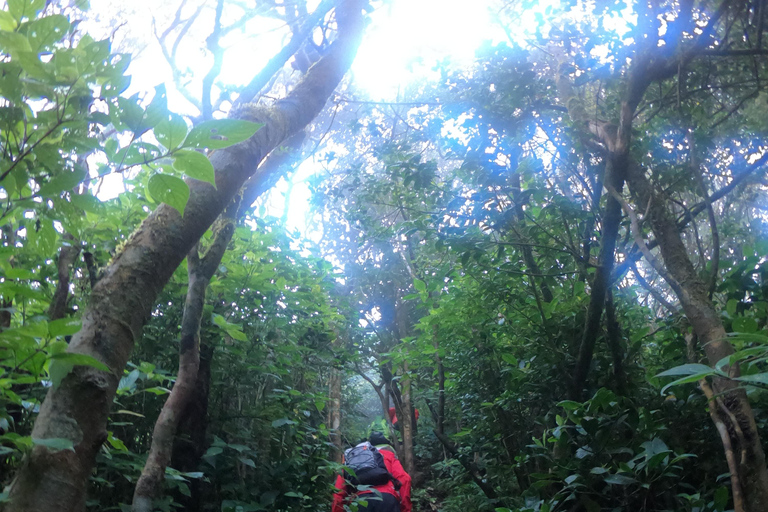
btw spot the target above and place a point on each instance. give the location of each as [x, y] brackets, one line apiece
[368, 466]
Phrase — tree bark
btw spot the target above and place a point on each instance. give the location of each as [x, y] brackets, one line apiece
[613, 331]
[67, 256]
[334, 410]
[190, 443]
[693, 294]
[200, 271]
[407, 422]
[123, 298]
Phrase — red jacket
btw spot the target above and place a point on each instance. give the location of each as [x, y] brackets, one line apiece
[394, 467]
[393, 415]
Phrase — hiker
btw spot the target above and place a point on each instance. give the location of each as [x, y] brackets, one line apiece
[390, 485]
[393, 417]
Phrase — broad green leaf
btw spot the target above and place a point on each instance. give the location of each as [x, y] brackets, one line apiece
[63, 363]
[731, 306]
[169, 190]
[687, 380]
[25, 8]
[744, 324]
[43, 32]
[282, 421]
[171, 131]
[55, 444]
[7, 22]
[13, 43]
[419, 285]
[510, 359]
[64, 181]
[64, 327]
[195, 165]
[220, 133]
[757, 378]
[686, 369]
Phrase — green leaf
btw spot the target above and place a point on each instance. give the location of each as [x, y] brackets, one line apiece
[419, 285]
[686, 369]
[248, 462]
[64, 181]
[569, 405]
[220, 133]
[7, 22]
[25, 8]
[509, 359]
[745, 324]
[195, 165]
[758, 378]
[171, 131]
[55, 444]
[44, 32]
[282, 421]
[170, 190]
[686, 380]
[63, 363]
[721, 498]
[619, 480]
[13, 43]
[63, 327]
[731, 306]
[237, 334]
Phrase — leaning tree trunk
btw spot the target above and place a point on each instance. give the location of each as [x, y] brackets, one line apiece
[693, 294]
[123, 298]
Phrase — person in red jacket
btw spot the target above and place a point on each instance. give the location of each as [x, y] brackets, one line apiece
[392, 499]
[393, 417]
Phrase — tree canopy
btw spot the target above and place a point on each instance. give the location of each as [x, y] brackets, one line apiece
[551, 259]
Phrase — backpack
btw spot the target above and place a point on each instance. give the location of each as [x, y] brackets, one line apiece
[368, 465]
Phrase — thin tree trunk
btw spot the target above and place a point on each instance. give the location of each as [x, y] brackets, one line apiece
[611, 220]
[200, 271]
[67, 256]
[407, 421]
[613, 330]
[440, 417]
[190, 443]
[123, 298]
[693, 294]
[334, 410]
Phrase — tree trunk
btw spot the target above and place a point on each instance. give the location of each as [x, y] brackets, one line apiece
[614, 343]
[407, 422]
[200, 271]
[334, 410]
[67, 256]
[190, 443]
[123, 298]
[693, 294]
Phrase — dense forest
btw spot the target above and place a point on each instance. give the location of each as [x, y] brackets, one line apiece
[555, 251]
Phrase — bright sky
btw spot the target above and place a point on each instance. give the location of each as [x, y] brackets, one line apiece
[403, 43]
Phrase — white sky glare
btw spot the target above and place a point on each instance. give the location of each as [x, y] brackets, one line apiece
[407, 38]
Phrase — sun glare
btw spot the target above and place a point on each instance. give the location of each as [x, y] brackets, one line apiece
[407, 38]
